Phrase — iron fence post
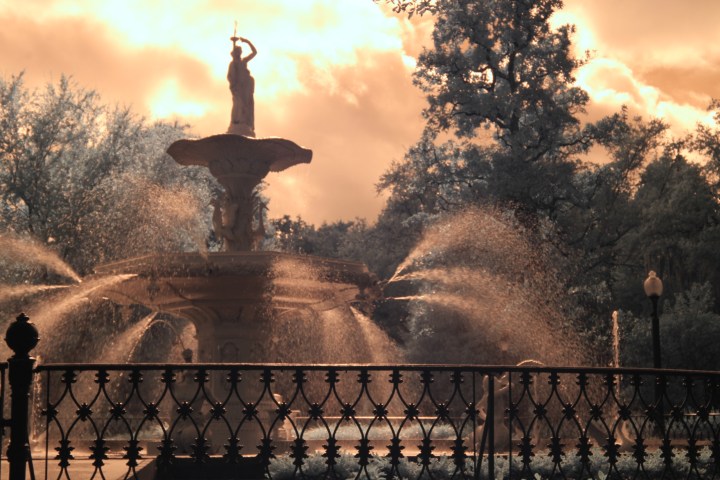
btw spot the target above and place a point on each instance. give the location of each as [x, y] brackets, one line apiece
[490, 425]
[21, 337]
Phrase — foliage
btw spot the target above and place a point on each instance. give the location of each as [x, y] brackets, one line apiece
[498, 78]
[707, 142]
[541, 465]
[92, 182]
[297, 236]
[503, 131]
[499, 65]
[412, 7]
[503, 128]
[479, 290]
[689, 331]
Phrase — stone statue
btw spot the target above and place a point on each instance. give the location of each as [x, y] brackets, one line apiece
[242, 86]
[239, 161]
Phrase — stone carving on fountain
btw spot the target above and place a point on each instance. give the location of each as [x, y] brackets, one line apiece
[239, 163]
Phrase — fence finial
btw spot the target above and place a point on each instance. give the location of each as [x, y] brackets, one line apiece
[22, 336]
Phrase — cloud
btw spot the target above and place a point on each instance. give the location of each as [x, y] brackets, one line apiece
[356, 119]
[370, 116]
[685, 83]
[83, 49]
[659, 58]
[612, 84]
[660, 32]
[333, 76]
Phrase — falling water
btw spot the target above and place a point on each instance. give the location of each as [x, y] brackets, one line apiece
[176, 209]
[341, 340]
[382, 349]
[53, 316]
[616, 339]
[460, 232]
[8, 292]
[616, 346]
[121, 349]
[166, 218]
[23, 250]
[177, 338]
[326, 329]
[48, 314]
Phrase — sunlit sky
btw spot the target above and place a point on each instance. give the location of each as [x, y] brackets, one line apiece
[336, 75]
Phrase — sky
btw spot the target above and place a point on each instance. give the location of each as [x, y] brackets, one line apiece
[336, 75]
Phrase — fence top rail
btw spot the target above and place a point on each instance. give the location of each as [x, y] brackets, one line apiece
[286, 367]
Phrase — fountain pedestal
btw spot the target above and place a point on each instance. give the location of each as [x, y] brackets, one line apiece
[239, 163]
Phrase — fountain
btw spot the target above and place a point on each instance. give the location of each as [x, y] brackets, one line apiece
[245, 304]
[473, 290]
[232, 297]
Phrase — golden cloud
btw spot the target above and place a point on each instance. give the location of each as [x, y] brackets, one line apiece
[333, 77]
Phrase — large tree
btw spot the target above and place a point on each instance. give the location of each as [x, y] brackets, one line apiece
[504, 127]
[91, 181]
[499, 79]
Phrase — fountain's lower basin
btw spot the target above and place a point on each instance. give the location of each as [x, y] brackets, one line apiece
[231, 297]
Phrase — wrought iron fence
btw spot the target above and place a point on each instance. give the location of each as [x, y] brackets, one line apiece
[356, 421]
[4, 422]
[350, 421]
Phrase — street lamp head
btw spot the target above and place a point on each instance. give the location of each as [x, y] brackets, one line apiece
[653, 285]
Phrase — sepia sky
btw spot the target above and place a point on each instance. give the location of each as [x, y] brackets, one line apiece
[335, 75]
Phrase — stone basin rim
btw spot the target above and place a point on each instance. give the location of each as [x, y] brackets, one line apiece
[195, 264]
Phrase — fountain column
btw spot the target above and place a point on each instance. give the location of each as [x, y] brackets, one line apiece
[239, 162]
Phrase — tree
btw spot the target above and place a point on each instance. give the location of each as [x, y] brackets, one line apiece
[707, 142]
[92, 182]
[503, 128]
[678, 224]
[293, 236]
[592, 229]
[412, 7]
[500, 79]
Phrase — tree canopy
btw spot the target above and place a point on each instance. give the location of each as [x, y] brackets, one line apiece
[93, 182]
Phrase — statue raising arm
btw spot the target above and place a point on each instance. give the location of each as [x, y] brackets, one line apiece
[242, 87]
[253, 50]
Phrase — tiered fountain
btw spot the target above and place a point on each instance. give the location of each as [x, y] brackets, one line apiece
[232, 296]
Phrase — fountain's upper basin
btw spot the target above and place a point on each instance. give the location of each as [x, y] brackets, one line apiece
[174, 282]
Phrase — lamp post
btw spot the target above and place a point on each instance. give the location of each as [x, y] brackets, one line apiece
[653, 289]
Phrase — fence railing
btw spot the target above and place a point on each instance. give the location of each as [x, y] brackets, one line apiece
[368, 421]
